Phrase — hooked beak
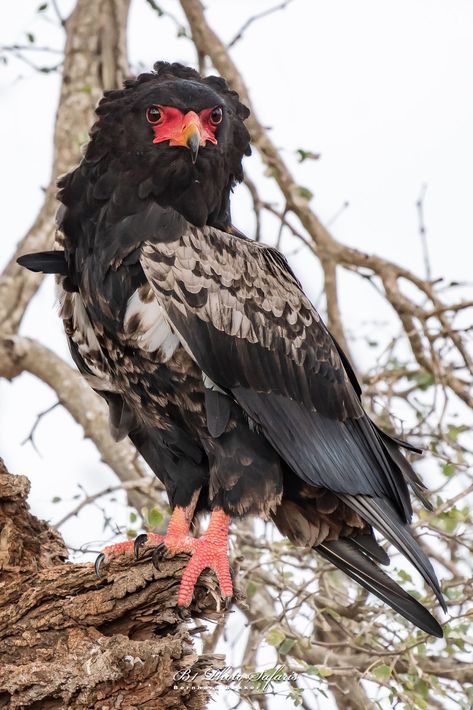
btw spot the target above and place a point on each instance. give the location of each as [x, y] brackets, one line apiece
[193, 139]
[190, 135]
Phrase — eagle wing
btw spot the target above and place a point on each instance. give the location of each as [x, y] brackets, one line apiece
[242, 315]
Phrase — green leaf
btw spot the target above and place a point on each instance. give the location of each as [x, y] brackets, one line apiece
[414, 593]
[420, 702]
[448, 469]
[131, 533]
[286, 646]
[460, 643]
[133, 517]
[42, 7]
[296, 696]
[155, 517]
[454, 431]
[422, 688]
[30, 37]
[424, 379]
[383, 672]
[305, 193]
[320, 671]
[275, 637]
[324, 672]
[404, 576]
[56, 499]
[251, 589]
[306, 155]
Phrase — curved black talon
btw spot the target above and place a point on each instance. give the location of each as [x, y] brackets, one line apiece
[227, 602]
[98, 564]
[183, 612]
[139, 542]
[158, 554]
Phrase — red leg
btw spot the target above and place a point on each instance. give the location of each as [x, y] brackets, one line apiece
[210, 551]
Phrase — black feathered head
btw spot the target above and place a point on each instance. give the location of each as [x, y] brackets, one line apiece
[172, 136]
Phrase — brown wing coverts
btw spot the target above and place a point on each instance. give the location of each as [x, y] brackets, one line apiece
[251, 329]
[241, 290]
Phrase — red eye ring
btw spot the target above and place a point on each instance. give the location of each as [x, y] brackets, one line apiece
[216, 115]
[153, 115]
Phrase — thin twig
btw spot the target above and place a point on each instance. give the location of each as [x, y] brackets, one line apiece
[254, 18]
[423, 232]
[30, 437]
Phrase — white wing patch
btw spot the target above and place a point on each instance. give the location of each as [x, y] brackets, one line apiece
[72, 306]
[79, 329]
[146, 325]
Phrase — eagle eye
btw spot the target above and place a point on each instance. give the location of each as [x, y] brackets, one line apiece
[216, 116]
[153, 114]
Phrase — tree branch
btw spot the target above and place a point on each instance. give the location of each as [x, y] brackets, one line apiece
[19, 354]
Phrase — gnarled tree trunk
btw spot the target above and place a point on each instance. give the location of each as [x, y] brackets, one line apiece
[71, 640]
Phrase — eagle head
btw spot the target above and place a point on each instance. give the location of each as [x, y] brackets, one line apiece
[171, 136]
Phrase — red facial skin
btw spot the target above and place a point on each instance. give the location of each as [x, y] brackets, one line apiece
[177, 128]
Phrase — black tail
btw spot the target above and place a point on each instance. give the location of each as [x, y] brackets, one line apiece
[345, 555]
[379, 513]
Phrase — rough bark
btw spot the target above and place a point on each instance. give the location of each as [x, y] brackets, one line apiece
[71, 640]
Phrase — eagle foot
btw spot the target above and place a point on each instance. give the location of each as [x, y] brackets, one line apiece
[210, 551]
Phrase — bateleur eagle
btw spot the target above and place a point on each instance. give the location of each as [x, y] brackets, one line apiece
[211, 358]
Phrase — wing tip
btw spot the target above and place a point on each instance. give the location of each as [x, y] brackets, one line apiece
[46, 262]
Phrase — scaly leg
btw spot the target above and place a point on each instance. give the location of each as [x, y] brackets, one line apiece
[209, 551]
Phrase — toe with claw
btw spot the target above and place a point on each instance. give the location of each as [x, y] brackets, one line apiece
[210, 551]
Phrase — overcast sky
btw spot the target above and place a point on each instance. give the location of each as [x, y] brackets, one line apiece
[382, 90]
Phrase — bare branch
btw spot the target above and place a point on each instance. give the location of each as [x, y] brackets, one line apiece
[18, 354]
[255, 18]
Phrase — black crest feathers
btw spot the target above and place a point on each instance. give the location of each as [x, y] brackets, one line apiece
[121, 149]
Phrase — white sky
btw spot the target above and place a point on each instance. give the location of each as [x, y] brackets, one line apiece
[383, 90]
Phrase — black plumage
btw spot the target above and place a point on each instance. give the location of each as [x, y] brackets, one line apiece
[210, 357]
